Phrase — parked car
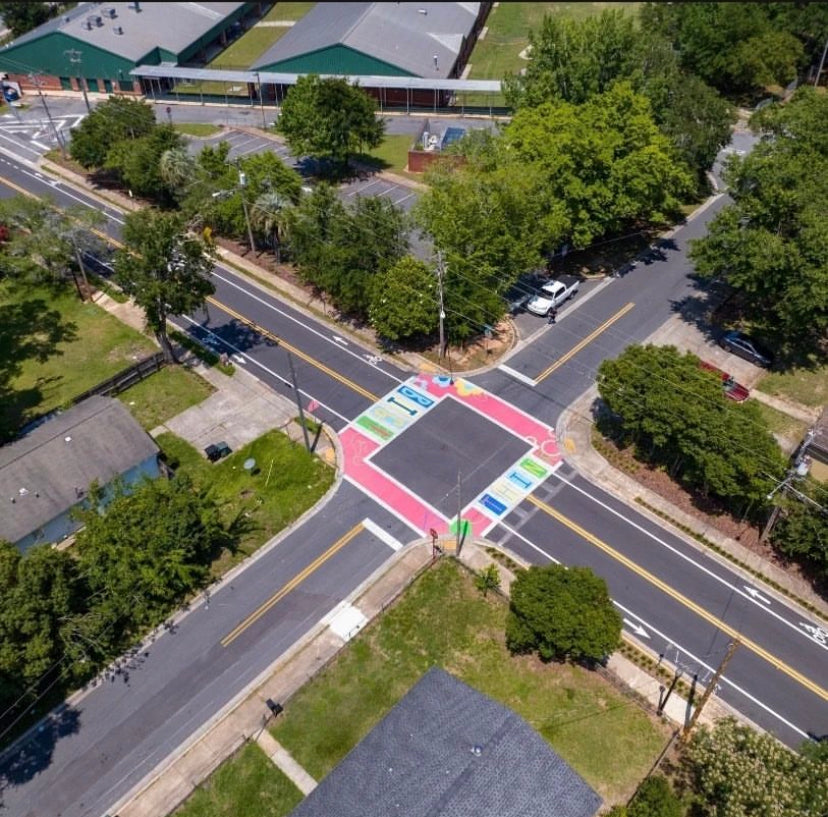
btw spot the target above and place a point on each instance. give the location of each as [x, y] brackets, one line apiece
[738, 343]
[732, 389]
[553, 294]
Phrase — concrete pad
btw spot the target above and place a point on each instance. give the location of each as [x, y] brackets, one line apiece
[286, 762]
[348, 622]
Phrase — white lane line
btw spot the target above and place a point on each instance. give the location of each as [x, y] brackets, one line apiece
[673, 642]
[247, 357]
[398, 202]
[383, 504]
[381, 534]
[732, 587]
[517, 375]
[20, 145]
[44, 148]
[316, 332]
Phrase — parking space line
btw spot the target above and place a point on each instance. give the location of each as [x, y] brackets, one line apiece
[404, 198]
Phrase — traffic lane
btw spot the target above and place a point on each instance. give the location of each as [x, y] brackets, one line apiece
[269, 360]
[127, 726]
[21, 179]
[317, 338]
[693, 573]
[778, 703]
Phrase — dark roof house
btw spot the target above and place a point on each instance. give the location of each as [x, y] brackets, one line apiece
[446, 750]
[48, 472]
[378, 39]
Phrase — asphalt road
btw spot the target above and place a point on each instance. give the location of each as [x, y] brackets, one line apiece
[689, 606]
[101, 746]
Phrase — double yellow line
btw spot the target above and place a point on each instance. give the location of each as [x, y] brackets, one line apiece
[294, 350]
[681, 598]
[587, 340]
[291, 585]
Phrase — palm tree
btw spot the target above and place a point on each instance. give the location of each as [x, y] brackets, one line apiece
[177, 168]
[270, 214]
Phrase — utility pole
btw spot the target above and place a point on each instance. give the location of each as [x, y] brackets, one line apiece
[459, 511]
[58, 136]
[75, 58]
[298, 401]
[711, 687]
[441, 271]
[243, 186]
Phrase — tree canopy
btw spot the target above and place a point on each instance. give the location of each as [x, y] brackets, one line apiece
[770, 245]
[404, 300]
[342, 249]
[329, 119]
[23, 17]
[677, 416]
[562, 613]
[577, 60]
[735, 47]
[736, 771]
[116, 119]
[163, 268]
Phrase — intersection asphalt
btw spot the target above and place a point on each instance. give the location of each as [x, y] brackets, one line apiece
[774, 678]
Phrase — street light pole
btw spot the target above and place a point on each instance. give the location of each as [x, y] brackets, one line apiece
[298, 401]
[440, 272]
[243, 186]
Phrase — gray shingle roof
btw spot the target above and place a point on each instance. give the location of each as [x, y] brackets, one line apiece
[396, 33]
[420, 761]
[104, 441]
[171, 26]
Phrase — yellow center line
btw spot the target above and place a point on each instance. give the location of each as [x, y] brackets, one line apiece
[682, 599]
[291, 585]
[580, 345]
[298, 352]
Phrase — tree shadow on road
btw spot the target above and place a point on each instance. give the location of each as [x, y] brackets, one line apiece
[34, 753]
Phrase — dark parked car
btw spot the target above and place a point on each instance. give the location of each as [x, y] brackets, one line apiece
[740, 344]
[217, 451]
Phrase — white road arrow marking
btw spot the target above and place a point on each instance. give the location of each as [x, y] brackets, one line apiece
[817, 633]
[338, 339]
[755, 594]
[636, 628]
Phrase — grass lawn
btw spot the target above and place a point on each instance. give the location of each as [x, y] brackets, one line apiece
[266, 500]
[164, 394]
[443, 620]
[198, 129]
[508, 33]
[288, 11]
[246, 785]
[781, 423]
[806, 386]
[391, 155]
[242, 53]
[93, 346]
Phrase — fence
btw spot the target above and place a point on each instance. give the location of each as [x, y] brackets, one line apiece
[126, 378]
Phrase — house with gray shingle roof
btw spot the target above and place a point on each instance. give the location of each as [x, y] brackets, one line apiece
[446, 750]
[47, 473]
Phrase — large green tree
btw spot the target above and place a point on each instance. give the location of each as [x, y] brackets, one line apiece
[677, 416]
[110, 122]
[735, 47]
[23, 17]
[802, 533]
[329, 119]
[576, 60]
[404, 301]
[562, 613]
[342, 249]
[771, 244]
[164, 269]
[147, 550]
[736, 771]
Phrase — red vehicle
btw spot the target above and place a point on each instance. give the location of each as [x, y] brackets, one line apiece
[732, 389]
